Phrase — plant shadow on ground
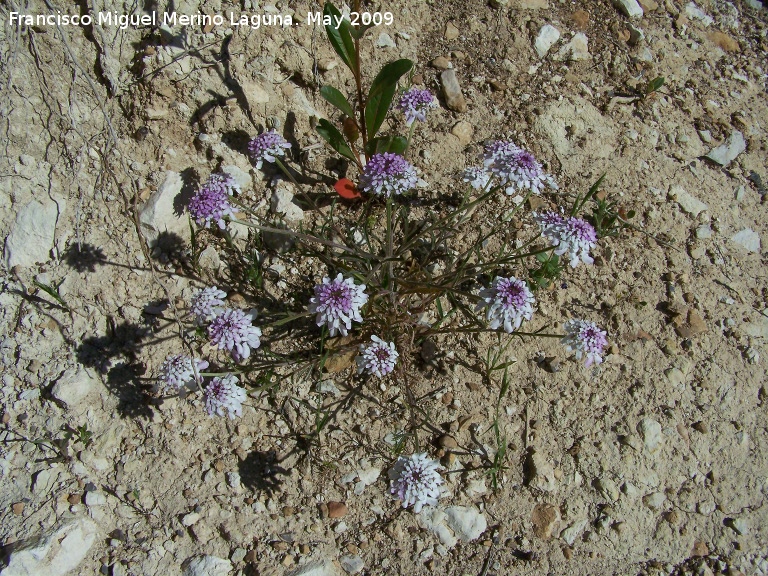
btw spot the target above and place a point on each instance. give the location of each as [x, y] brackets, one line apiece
[261, 471]
[190, 184]
[84, 257]
[116, 355]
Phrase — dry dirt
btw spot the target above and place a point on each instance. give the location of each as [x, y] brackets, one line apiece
[655, 462]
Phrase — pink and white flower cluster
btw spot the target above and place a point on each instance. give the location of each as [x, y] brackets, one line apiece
[572, 236]
[511, 167]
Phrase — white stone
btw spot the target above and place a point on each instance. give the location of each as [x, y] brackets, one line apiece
[547, 37]
[476, 487]
[675, 376]
[748, 239]
[629, 8]
[255, 94]
[45, 480]
[650, 430]
[385, 41]
[190, 519]
[756, 4]
[206, 566]
[32, 234]
[299, 101]
[368, 474]
[541, 473]
[454, 97]
[233, 480]
[243, 178]
[467, 523]
[727, 152]
[636, 35]
[655, 500]
[630, 490]
[164, 212]
[688, 203]
[572, 532]
[695, 13]
[74, 386]
[54, 553]
[351, 564]
[282, 202]
[433, 519]
[209, 258]
[608, 489]
[569, 123]
[316, 569]
[328, 387]
[95, 499]
[576, 50]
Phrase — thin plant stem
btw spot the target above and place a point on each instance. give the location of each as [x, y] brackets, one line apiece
[303, 237]
[410, 135]
[390, 249]
[359, 85]
[285, 171]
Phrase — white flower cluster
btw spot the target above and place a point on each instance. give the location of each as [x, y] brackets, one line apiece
[224, 397]
[416, 481]
[337, 303]
[378, 358]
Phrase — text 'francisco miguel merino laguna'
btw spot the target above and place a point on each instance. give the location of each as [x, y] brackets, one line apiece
[171, 19]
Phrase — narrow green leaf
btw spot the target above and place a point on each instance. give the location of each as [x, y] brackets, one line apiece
[337, 99]
[52, 292]
[331, 134]
[381, 94]
[340, 38]
[592, 191]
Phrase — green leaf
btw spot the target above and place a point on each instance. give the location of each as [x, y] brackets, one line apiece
[337, 99]
[393, 144]
[360, 31]
[340, 38]
[52, 292]
[654, 85]
[397, 145]
[381, 94]
[592, 191]
[331, 134]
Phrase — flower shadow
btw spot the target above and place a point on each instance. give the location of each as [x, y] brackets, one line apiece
[84, 257]
[261, 472]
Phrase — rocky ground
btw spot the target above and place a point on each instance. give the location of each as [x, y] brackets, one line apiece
[655, 462]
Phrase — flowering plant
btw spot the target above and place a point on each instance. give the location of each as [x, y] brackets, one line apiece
[392, 276]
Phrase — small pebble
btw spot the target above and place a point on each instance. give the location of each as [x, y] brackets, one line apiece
[441, 63]
[337, 509]
[451, 32]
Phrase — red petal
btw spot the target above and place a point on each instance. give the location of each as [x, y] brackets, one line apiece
[346, 189]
